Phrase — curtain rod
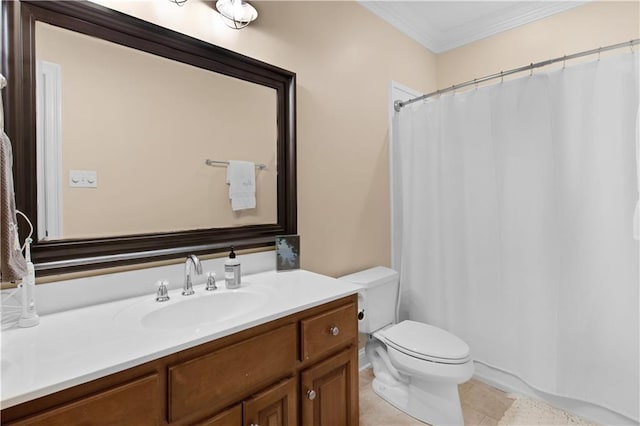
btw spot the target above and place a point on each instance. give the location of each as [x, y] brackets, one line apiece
[397, 105]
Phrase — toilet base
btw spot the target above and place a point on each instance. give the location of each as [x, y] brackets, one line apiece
[437, 404]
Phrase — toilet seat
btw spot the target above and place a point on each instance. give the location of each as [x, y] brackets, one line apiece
[426, 342]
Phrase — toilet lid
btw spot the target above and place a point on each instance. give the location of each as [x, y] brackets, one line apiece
[427, 342]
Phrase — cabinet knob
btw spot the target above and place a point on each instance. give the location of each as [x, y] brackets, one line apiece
[334, 330]
[311, 394]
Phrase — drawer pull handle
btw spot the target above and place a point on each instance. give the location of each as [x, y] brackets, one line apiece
[334, 330]
[311, 394]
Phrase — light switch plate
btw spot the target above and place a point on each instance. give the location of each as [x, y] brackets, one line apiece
[83, 178]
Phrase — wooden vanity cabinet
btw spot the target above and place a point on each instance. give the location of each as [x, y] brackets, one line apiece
[297, 370]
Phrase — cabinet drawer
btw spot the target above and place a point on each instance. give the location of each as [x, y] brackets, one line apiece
[216, 380]
[136, 402]
[329, 330]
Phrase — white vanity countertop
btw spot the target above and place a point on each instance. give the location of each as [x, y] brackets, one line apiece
[76, 346]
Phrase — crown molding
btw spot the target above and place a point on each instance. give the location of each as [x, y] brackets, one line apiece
[411, 18]
[516, 16]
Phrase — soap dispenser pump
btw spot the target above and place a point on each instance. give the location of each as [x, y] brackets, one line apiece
[232, 275]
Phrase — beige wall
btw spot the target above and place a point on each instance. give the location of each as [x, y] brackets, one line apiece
[595, 24]
[344, 57]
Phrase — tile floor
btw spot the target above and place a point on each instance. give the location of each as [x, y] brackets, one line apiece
[481, 405]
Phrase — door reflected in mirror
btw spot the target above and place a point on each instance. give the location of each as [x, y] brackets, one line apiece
[123, 136]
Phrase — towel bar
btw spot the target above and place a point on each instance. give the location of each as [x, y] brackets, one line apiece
[259, 166]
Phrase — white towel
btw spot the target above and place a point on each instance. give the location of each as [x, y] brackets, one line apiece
[241, 177]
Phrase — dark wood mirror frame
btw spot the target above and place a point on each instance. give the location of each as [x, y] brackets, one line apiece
[18, 65]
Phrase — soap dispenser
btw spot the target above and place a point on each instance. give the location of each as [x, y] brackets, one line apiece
[232, 276]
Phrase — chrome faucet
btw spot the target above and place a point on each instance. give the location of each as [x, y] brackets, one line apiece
[192, 259]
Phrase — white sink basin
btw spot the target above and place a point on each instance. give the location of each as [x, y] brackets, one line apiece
[194, 311]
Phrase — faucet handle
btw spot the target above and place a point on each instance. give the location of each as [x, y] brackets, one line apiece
[163, 293]
[211, 281]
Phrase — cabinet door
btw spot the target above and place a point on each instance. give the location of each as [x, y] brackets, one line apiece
[135, 403]
[230, 417]
[276, 406]
[330, 391]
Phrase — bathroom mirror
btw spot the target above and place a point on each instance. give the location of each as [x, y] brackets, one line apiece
[120, 176]
[141, 128]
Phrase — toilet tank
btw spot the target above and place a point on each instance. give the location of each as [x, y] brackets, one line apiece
[379, 290]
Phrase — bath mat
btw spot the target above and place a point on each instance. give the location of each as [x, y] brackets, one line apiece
[526, 411]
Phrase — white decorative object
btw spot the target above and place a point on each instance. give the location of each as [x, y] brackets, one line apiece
[29, 316]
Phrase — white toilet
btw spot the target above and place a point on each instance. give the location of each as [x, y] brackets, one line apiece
[417, 367]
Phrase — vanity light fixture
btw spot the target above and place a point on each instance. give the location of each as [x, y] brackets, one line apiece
[236, 14]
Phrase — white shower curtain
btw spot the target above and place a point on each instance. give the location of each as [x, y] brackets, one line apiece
[516, 231]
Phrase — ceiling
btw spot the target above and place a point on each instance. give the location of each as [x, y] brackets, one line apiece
[443, 25]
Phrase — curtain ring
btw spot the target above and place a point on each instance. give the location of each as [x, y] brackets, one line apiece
[501, 76]
[531, 69]
[475, 81]
[564, 61]
[599, 51]
[631, 46]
